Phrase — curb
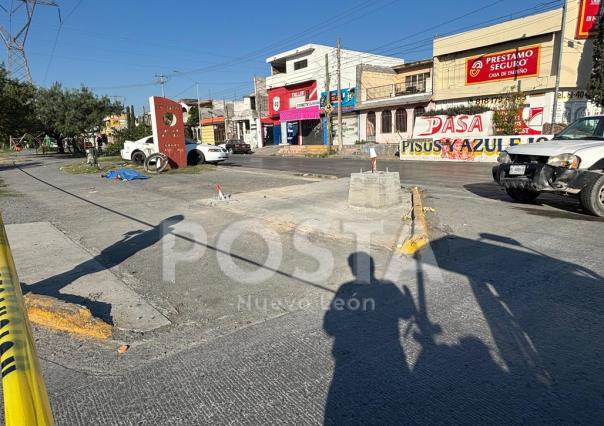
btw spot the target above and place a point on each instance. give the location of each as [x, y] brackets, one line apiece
[316, 175]
[419, 239]
[59, 315]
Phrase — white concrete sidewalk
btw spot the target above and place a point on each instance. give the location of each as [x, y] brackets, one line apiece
[320, 208]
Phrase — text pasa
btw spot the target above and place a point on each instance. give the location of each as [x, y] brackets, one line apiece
[452, 125]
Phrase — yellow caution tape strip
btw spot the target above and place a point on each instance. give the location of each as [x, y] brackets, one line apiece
[25, 397]
[419, 239]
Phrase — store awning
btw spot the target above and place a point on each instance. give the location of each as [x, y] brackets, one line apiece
[307, 113]
[211, 120]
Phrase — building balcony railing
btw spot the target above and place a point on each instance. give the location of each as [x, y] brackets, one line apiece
[394, 90]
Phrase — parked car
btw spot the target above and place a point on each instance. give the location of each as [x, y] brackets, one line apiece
[197, 153]
[236, 146]
[572, 163]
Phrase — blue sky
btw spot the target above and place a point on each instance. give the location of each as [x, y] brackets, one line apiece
[116, 47]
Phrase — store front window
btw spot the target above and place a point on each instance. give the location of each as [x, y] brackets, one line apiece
[386, 122]
[401, 120]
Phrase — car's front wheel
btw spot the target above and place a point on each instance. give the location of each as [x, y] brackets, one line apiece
[522, 195]
[592, 197]
[138, 158]
[194, 158]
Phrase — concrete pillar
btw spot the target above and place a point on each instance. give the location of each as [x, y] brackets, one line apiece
[259, 133]
[374, 190]
[283, 133]
[410, 121]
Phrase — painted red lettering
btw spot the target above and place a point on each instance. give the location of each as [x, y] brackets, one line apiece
[476, 124]
[449, 126]
[462, 124]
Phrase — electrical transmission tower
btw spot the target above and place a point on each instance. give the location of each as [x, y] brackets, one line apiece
[20, 14]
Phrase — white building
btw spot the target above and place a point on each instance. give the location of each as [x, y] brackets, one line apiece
[245, 121]
[296, 85]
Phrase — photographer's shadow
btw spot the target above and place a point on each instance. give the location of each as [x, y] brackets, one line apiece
[371, 369]
[372, 381]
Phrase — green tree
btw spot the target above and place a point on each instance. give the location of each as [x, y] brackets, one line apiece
[128, 118]
[72, 112]
[507, 113]
[595, 91]
[132, 116]
[193, 118]
[17, 112]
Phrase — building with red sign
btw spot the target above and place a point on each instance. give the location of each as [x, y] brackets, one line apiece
[482, 65]
[298, 82]
[391, 98]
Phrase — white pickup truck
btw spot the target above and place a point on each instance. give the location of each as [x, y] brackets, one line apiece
[572, 163]
[197, 153]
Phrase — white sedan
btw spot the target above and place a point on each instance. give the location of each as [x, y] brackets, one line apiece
[197, 153]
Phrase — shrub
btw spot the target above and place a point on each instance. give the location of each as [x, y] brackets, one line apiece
[114, 148]
[459, 110]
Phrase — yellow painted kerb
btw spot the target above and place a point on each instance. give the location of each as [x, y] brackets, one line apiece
[59, 315]
[419, 239]
[25, 398]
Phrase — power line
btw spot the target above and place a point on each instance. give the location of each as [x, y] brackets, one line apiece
[17, 63]
[54, 46]
[303, 34]
[354, 62]
[429, 41]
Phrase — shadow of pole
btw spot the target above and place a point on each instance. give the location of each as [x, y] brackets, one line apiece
[184, 237]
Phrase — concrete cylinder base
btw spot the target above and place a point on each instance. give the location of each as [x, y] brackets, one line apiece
[374, 190]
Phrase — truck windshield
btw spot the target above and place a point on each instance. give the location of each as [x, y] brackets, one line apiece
[584, 128]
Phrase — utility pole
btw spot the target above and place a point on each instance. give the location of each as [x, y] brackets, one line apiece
[340, 139]
[557, 89]
[227, 121]
[327, 107]
[162, 80]
[198, 111]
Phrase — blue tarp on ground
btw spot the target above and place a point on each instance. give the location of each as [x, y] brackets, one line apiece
[125, 174]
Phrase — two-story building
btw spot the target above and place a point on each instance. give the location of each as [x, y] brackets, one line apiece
[391, 98]
[483, 65]
[298, 80]
[244, 120]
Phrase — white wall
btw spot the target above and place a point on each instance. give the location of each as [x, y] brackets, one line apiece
[316, 68]
[380, 137]
[571, 105]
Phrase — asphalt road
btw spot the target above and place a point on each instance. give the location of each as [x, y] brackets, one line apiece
[499, 321]
[412, 172]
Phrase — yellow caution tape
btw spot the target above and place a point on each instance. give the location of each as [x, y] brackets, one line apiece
[25, 398]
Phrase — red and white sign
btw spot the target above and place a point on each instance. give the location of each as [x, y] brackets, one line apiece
[531, 121]
[168, 130]
[589, 14]
[287, 97]
[442, 126]
[517, 63]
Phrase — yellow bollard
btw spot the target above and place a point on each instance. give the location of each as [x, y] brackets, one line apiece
[25, 398]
